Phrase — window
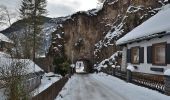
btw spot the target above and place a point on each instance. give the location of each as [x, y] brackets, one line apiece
[135, 55]
[159, 56]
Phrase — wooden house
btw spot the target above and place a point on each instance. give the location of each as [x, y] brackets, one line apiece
[147, 47]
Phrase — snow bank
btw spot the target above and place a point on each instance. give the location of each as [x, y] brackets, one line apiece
[80, 70]
[72, 65]
[47, 80]
[2, 54]
[156, 24]
[131, 68]
[167, 72]
[110, 61]
[2, 95]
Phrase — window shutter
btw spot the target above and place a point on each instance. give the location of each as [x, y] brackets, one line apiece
[141, 55]
[149, 54]
[168, 54]
[128, 56]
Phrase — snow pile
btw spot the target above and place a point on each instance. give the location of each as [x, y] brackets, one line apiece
[110, 61]
[167, 72]
[131, 68]
[2, 95]
[2, 54]
[156, 24]
[66, 91]
[72, 65]
[47, 80]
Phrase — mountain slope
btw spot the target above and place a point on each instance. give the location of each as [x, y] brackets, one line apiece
[49, 26]
[92, 34]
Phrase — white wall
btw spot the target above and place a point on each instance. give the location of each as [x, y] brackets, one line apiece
[145, 67]
[124, 60]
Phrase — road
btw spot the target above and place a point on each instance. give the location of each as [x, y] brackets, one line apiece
[98, 87]
[94, 90]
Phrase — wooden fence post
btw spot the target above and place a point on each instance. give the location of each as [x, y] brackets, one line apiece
[167, 85]
[114, 71]
[129, 76]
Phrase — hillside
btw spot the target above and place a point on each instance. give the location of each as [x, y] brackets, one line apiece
[92, 34]
[49, 26]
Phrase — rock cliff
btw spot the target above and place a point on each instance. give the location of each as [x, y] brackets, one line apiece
[92, 34]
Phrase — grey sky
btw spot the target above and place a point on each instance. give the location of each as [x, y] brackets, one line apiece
[57, 8]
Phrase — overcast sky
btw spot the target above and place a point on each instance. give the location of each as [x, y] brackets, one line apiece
[57, 8]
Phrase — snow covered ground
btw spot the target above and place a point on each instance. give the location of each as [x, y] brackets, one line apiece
[47, 80]
[2, 96]
[104, 87]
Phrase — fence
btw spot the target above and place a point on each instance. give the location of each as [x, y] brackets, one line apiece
[30, 84]
[155, 82]
[33, 83]
[51, 92]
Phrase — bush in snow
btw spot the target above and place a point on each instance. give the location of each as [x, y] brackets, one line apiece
[61, 65]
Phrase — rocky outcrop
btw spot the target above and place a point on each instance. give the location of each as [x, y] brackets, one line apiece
[92, 34]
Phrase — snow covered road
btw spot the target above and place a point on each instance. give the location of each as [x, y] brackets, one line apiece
[105, 87]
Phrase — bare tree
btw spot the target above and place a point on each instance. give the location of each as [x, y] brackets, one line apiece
[13, 70]
[6, 16]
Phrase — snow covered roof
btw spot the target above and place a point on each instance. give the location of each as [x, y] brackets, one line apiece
[6, 61]
[156, 24]
[28, 64]
[5, 39]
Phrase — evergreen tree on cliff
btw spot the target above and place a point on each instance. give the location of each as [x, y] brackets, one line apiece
[32, 11]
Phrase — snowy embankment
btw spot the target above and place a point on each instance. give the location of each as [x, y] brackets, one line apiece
[111, 61]
[47, 80]
[105, 87]
[2, 96]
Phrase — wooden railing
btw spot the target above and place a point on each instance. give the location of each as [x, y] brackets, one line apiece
[120, 74]
[155, 82]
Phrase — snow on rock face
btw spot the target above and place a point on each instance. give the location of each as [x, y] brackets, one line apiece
[156, 24]
[110, 61]
[167, 72]
[133, 9]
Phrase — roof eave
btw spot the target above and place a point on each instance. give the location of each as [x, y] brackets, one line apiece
[145, 38]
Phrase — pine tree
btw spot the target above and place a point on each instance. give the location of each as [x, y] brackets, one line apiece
[32, 11]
